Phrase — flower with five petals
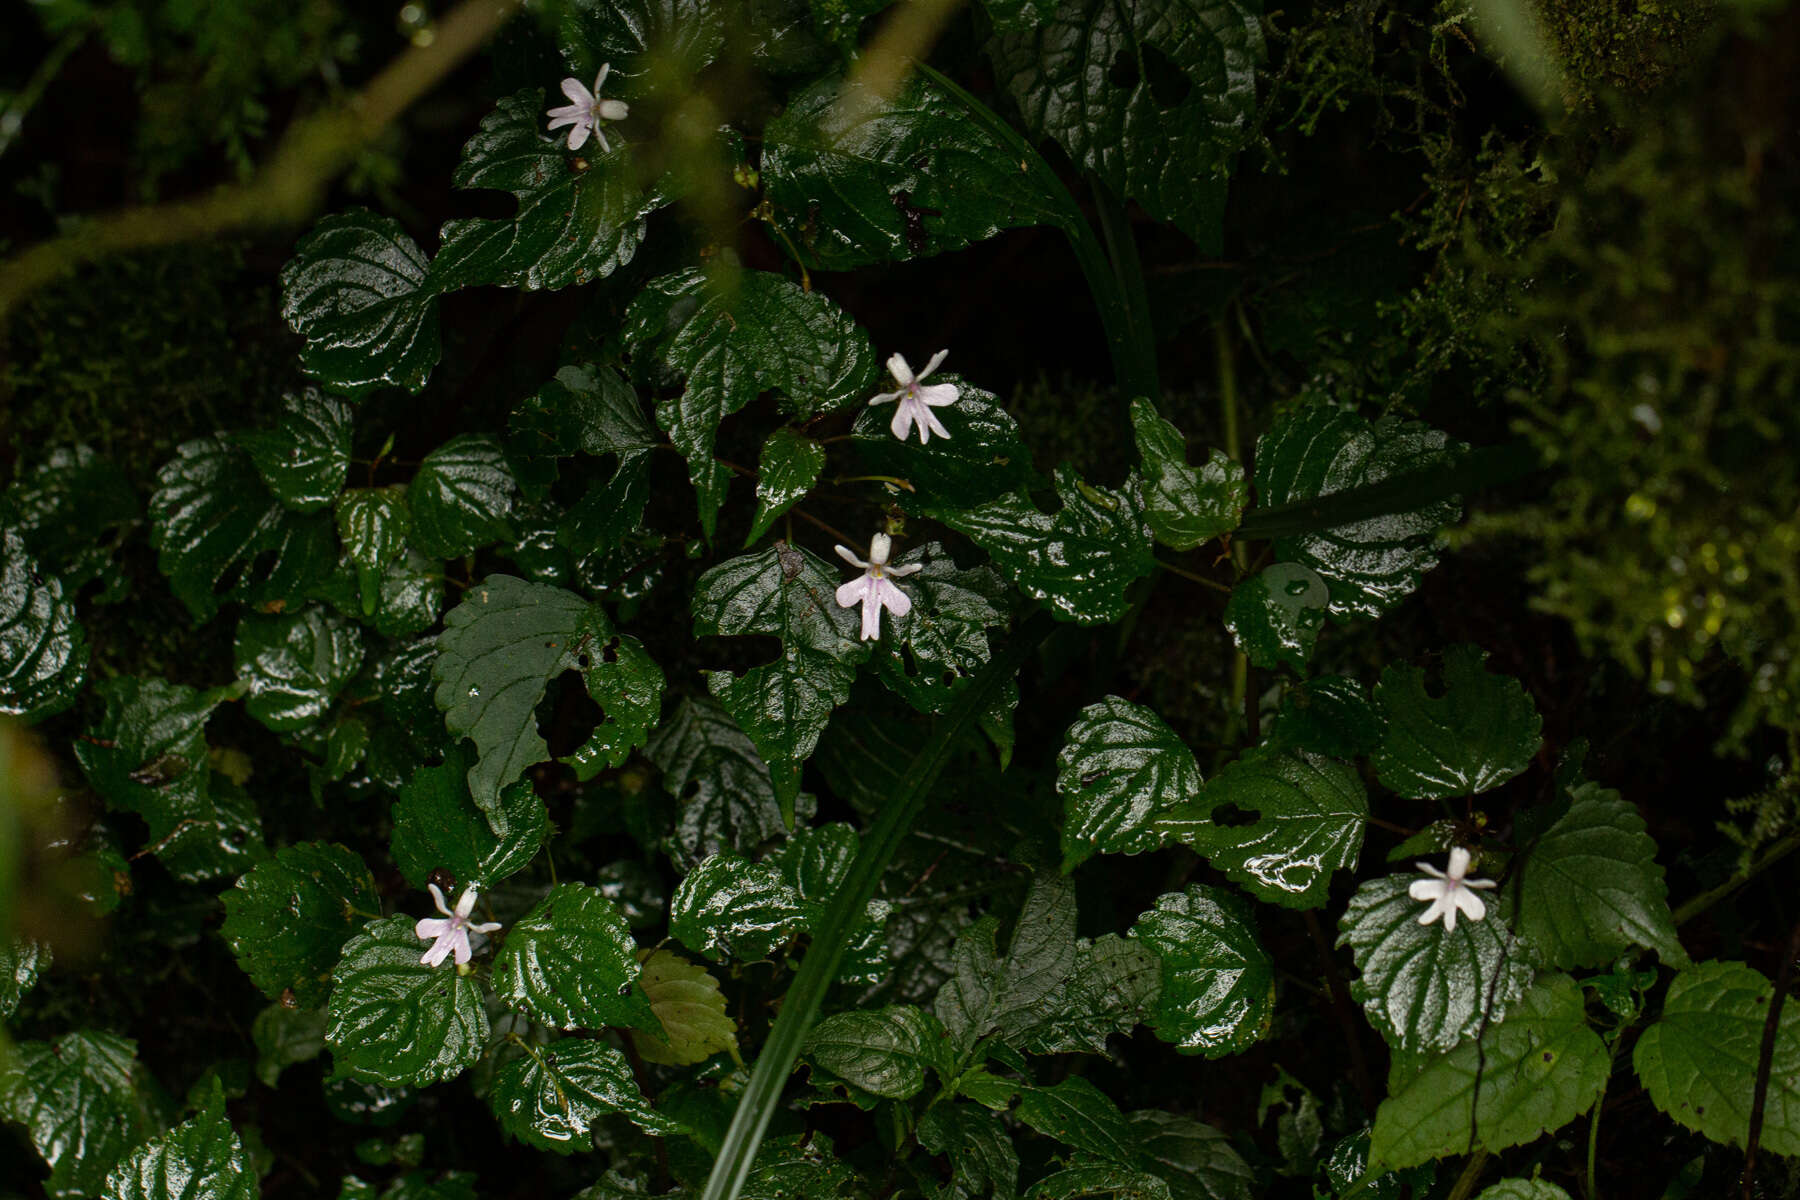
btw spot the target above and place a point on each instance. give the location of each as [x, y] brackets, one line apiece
[1450, 891]
[873, 589]
[452, 929]
[916, 402]
[586, 110]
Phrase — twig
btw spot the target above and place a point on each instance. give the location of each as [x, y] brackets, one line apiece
[12, 121]
[1202, 580]
[1705, 900]
[1766, 1057]
[812, 520]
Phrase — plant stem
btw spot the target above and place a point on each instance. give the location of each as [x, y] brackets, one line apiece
[1202, 580]
[1768, 858]
[1465, 1183]
[1765, 1059]
[800, 1007]
[12, 121]
[1593, 1183]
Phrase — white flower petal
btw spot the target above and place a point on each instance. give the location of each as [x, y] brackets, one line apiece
[902, 423]
[890, 597]
[1426, 889]
[577, 94]
[1429, 869]
[439, 951]
[579, 135]
[929, 423]
[613, 110]
[880, 546]
[871, 613]
[853, 592]
[1470, 903]
[844, 553]
[600, 79]
[430, 927]
[1459, 862]
[896, 365]
[885, 397]
[901, 572]
[938, 394]
[933, 364]
[466, 904]
[459, 942]
[437, 897]
[486, 927]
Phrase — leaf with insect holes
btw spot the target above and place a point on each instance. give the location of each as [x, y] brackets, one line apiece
[1121, 768]
[1480, 733]
[1275, 615]
[1185, 506]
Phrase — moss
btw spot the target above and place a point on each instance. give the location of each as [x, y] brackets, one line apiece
[1627, 46]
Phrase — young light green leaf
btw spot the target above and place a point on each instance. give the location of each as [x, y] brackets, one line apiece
[982, 1158]
[76, 1099]
[462, 497]
[789, 466]
[72, 510]
[939, 645]
[357, 291]
[437, 825]
[580, 216]
[710, 767]
[1531, 1073]
[855, 178]
[550, 1096]
[43, 649]
[392, 1019]
[1078, 561]
[1327, 714]
[1121, 767]
[882, 1051]
[499, 650]
[984, 457]
[285, 1036]
[647, 42]
[571, 963]
[1185, 506]
[731, 907]
[1699, 1060]
[295, 665]
[287, 920]
[1369, 565]
[783, 705]
[1196, 1161]
[1591, 886]
[305, 459]
[1482, 732]
[1160, 130]
[1295, 818]
[201, 1159]
[1425, 987]
[22, 960]
[1218, 983]
[1275, 615]
[690, 1012]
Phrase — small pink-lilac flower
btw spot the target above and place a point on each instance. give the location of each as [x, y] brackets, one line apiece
[586, 110]
[873, 589]
[451, 931]
[1450, 891]
[916, 401]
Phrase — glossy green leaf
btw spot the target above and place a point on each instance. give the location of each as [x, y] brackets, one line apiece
[357, 291]
[802, 1167]
[220, 535]
[1278, 823]
[1121, 767]
[1522, 1189]
[551, 1096]
[1698, 1061]
[982, 1157]
[1100, 1179]
[305, 458]
[690, 1012]
[1151, 98]
[1530, 1074]
[571, 963]
[148, 755]
[22, 960]
[885, 1051]
[1196, 1161]
[408, 593]
[1111, 988]
[728, 906]
[783, 706]
[462, 497]
[1480, 733]
[1079, 561]
[984, 458]
[932, 652]
[499, 650]
[285, 1036]
[1591, 886]
[43, 649]
[201, 1159]
[392, 1019]
[1425, 988]
[288, 919]
[1218, 983]
[580, 214]
[710, 767]
[1011, 993]
[1185, 506]
[73, 509]
[1327, 714]
[75, 1098]
[372, 524]
[1078, 1114]
[1370, 564]
[1347, 1164]
[295, 665]
[789, 467]
[647, 41]
[437, 826]
[855, 179]
[1275, 615]
[589, 410]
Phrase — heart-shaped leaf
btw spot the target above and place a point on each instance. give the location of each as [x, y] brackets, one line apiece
[305, 459]
[550, 1096]
[1121, 768]
[1218, 983]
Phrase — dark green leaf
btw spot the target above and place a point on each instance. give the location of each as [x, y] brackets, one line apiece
[783, 706]
[357, 291]
[855, 179]
[305, 459]
[1218, 983]
[550, 1096]
[408, 593]
[798, 1168]
[647, 42]
[1111, 989]
[1328, 714]
[1184, 506]
[1275, 615]
[571, 963]
[285, 1036]
[1482, 732]
[437, 825]
[730, 906]
[1078, 1114]
[22, 960]
[1195, 1160]
[882, 1051]
[1591, 887]
[199, 1160]
[1699, 1060]
[790, 465]
[462, 497]
[1522, 1189]
[43, 649]
[295, 666]
[1426, 988]
[1530, 1074]
[712, 769]
[983, 458]
[373, 524]
[392, 1019]
[1121, 768]
[1079, 561]
[1100, 1179]
[936, 648]
[288, 919]
[500, 648]
[987, 992]
[72, 509]
[1370, 564]
[1294, 819]
[1150, 97]
[692, 1024]
[982, 1158]
[580, 215]
[584, 409]
[75, 1099]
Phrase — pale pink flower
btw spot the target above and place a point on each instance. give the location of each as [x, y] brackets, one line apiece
[873, 589]
[451, 930]
[916, 402]
[1450, 892]
[586, 110]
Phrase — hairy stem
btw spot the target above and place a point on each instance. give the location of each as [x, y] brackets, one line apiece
[1765, 1059]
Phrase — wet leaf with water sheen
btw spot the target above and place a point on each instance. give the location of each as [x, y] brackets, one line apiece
[372, 524]
[1078, 1114]
[789, 467]
[571, 963]
[295, 665]
[984, 458]
[690, 1011]
[43, 649]
[550, 1096]
[708, 765]
[1327, 714]
[982, 1157]
[72, 509]
[201, 1159]
[1185, 506]
[1522, 1189]
[1196, 1161]
[646, 41]
[1010, 993]
[885, 1051]
[305, 458]
[1100, 1179]
[288, 919]
[75, 1098]
[1111, 988]
[1121, 767]
[1480, 733]
[437, 825]
[932, 652]
[392, 1019]
[22, 960]
[1218, 983]
[462, 497]
[731, 907]
[1275, 615]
